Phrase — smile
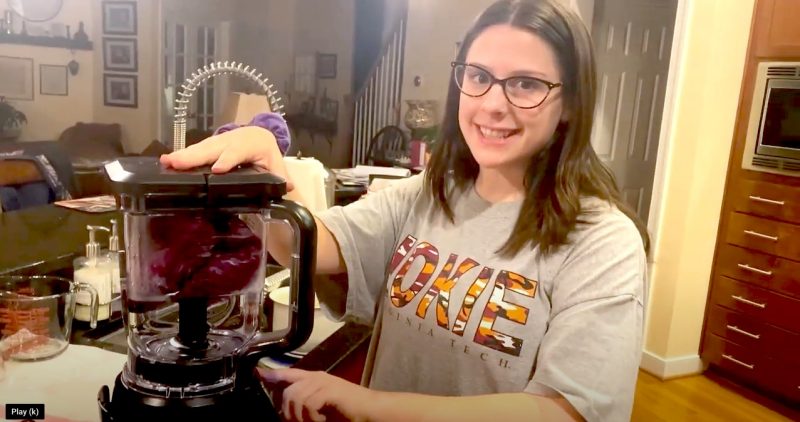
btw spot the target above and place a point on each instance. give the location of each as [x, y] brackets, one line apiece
[497, 133]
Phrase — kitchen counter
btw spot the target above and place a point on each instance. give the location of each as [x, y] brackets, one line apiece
[68, 384]
[45, 239]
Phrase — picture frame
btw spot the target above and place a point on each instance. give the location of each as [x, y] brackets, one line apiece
[120, 54]
[53, 80]
[17, 80]
[119, 17]
[326, 66]
[120, 90]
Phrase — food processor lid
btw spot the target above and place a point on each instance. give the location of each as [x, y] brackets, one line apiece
[142, 183]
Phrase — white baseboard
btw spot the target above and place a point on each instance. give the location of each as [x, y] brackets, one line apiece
[666, 368]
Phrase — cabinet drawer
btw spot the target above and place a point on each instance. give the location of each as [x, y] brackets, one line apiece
[755, 335]
[769, 200]
[734, 358]
[764, 235]
[764, 270]
[761, 304]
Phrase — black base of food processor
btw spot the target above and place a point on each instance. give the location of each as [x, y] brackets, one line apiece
[246, 403]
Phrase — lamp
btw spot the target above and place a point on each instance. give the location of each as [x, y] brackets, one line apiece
[240, 108]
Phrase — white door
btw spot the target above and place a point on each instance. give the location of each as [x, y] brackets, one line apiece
[632, 39]
[189, 44]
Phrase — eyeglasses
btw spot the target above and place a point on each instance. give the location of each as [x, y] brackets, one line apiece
[521, 91]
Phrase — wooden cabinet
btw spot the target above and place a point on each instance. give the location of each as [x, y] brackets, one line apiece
[751, 331]
[781, 38]
[752, 327]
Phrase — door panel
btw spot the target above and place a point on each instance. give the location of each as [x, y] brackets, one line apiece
[632, 41]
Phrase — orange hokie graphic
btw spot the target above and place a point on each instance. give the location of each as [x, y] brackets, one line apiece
[473, 293]
[449, 276]
[441, 290]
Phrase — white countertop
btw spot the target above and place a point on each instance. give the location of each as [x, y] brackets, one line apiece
[67, 384]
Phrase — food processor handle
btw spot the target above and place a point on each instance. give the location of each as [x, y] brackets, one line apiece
[302, 268]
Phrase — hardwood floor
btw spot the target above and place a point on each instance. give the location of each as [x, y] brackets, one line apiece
[695, 398]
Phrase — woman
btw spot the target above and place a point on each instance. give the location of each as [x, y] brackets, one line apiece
[505, 283]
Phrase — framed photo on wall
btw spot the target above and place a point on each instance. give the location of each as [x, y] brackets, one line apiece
[120, 54]
[119, 17]
[326, 66]
[120, 90]
[53, 80]
[16, 82]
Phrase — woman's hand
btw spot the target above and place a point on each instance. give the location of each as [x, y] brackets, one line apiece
[249, 144]
[318, 396]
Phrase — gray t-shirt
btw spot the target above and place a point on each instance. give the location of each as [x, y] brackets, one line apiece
[453, 317]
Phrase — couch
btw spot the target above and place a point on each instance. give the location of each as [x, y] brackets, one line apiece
[22, 182]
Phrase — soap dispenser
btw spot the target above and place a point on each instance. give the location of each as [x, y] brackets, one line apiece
[93, 269]
[114, 260]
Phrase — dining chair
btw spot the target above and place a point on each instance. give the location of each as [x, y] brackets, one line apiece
[389, 147]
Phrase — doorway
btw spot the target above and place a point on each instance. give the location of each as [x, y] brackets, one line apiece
[189, 41]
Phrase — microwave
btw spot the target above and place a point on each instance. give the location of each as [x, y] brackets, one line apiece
[772, 141]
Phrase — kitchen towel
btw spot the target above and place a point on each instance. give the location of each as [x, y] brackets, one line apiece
[308, 176]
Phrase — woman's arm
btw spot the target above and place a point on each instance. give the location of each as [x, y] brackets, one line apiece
[316, 396]
[329, 255]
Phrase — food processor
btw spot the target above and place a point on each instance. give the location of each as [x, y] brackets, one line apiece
[196, 255]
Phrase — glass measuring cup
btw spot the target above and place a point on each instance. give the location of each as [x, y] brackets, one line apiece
[36, 315]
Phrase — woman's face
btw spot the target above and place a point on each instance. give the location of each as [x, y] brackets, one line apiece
[500, 135]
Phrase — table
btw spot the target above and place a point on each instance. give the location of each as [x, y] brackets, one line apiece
[345, 194]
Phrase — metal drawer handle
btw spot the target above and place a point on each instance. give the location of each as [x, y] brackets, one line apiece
[754, 269]
[749, 302]
[740, 331]
[734, 360]
[761, 235]
[766, 201]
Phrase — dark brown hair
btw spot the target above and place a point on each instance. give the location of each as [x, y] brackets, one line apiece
[567, 168]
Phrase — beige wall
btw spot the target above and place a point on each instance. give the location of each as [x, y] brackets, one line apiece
[269, 34]
[49, 115]
[263, 37]
[432, 31]
[711, 58]
[139, 125]
[326, 26]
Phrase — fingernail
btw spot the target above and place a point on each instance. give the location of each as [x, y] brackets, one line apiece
[264, 373]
